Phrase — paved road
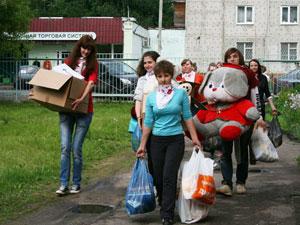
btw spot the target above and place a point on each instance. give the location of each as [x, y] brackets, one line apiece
[273, 197]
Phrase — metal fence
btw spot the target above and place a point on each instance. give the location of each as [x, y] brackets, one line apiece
[278, 71]
[117, 77]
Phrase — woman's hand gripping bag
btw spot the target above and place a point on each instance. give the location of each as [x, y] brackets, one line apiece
[228, 113]
[140, 197]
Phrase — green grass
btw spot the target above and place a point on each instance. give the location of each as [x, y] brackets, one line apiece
[30, 151]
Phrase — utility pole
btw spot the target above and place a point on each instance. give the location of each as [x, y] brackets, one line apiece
[160, 14]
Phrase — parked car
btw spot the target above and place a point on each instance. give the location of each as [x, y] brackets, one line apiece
[289, 80]
[116, 77]
[25, 74]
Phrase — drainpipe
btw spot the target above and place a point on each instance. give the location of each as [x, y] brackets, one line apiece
[160, 14]
[223, 29]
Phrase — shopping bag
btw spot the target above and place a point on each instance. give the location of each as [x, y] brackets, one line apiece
[206, 189]
[275, 132]
[136, 138]
[140, 197]
[190, 173]
[191, 210]
[262, 146]
[132, 124]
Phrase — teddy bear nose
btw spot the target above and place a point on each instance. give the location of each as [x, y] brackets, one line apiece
[214, 89]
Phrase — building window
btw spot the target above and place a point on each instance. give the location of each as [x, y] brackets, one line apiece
[245, 15]
[288, 51]
[289, 14]
[64, 55]
[246, 48]
[145, 42]
[61, 56]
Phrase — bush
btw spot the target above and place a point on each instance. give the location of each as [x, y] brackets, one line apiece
[288, 104]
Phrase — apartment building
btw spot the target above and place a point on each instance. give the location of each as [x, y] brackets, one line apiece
[265, 29]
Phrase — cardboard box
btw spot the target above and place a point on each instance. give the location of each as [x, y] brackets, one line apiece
[57, 91]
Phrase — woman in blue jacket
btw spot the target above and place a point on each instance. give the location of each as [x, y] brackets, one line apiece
[166, 108]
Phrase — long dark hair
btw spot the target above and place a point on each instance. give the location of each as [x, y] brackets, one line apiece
[140, 70]
[87, 42]
[259, 73]
[234, 50]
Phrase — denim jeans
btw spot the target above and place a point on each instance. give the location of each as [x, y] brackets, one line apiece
[226, 160]
[73, 128]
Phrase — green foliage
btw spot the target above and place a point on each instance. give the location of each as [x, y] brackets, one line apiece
[15, 17]
[30, 150]
[289, 119]
[146, 12]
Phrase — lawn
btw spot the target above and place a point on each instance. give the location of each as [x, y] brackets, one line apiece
[30, 151]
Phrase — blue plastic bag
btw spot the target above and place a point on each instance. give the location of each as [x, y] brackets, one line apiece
[140, 197]
[136, 138]
[132, 124]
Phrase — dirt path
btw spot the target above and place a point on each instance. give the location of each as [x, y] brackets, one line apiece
[273, 197]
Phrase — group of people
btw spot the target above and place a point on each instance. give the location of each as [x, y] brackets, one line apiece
[167, 106]
[162, 110]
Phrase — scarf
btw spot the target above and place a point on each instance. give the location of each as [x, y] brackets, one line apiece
[190, 77]
[149, 75]
[81, 65]
[164, 94]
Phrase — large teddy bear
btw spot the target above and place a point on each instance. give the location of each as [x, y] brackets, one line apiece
[228, 113]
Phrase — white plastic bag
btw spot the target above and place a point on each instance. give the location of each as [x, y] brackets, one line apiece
[190, 173]
[197, 178]
[262, 146]
[190, 210]
[206, 188]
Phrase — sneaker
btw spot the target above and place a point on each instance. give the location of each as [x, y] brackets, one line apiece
[225, 190]
[241, 189]
[75, 189]
[62, 190]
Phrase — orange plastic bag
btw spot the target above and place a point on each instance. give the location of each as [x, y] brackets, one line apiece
[206, 189]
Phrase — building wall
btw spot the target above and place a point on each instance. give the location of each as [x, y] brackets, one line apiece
[43, 50]
[204, 32]
[172, 44]
[135, 37]
[211, 29]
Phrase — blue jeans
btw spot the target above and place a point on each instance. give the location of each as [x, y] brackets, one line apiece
[73, 128]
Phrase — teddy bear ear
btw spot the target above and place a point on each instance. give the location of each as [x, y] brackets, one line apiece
[236, 83]
[204, 82]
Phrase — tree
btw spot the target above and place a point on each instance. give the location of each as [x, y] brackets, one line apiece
[146, 12]
[15, 17]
